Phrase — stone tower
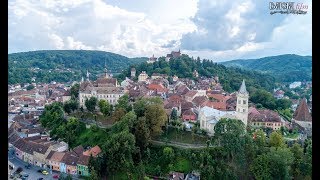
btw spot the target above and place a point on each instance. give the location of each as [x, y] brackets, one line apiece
[133, 72]
[242, 104]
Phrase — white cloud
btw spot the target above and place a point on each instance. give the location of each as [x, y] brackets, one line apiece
[50, 24]
[56, 40]
[212, 29]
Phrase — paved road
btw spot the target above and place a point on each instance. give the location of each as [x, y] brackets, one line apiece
[180, 145]
[33, 174]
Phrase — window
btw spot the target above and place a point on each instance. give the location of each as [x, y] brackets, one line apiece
[239, 101]
[239, 109]
[254, 123]
[244, 102]
[243, 110]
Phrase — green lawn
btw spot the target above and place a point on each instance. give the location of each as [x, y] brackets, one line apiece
[174, 134]
[182, 165]
[92, 137]
[87, 115]
[292, 135]
[122, 176]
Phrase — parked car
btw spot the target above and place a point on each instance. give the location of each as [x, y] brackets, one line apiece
[40, 171]
[56, 176]
[26, 175]
[28, 166]
[44, 172]
[40, 178]
[19, 170]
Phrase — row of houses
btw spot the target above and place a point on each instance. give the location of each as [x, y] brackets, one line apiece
[40, 151]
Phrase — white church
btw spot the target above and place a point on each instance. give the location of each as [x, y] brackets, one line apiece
[209, 117]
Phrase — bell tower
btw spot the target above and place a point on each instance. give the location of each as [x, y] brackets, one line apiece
[242, 104]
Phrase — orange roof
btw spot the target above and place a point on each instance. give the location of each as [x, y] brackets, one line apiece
[93, 151]
[215, 105]
[175, 98]
[157, 87]
[219, 97]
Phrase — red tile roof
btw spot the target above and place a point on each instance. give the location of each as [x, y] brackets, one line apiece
[157, 87]
[94, 151]
[264, 115]
[215, 105]
[191, 93]
[302, 112]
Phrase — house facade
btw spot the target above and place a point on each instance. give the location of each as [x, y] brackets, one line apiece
[104, 88]
[209, 116]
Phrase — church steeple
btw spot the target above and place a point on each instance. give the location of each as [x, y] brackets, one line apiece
[242, 106]
[105, 69]
[243, 89]
[88, 75]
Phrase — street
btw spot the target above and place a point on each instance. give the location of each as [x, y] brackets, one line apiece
[32, 171]
[33, 174]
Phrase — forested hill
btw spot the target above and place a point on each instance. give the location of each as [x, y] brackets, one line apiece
[64, 65]
[230, 78]
[285, 68]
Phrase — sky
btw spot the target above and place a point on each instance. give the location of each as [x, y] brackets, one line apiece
[211, 29]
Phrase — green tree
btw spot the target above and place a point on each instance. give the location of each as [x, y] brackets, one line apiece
[67, 107]
[123, 102]
[260, 138]
[141, 133]
[264, 98]
[105, 107]
[306, 167]
[30, 87]
[118, 114]
[74, 91]
[174, 115]
[156, 118]
[261, 168]
[94, 175]
[119, 149]
[140, 105]
[297, 151]
[91, 104]
[273, 165]
[276, 139]
[229, 134]
[283, 104]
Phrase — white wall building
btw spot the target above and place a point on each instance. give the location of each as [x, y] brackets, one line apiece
[209, 117]
[294, 85]
[142, 76]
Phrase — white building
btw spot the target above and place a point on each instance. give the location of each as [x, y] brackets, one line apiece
[294, 85]
[209, 117]
[142, 76]
[104, 88]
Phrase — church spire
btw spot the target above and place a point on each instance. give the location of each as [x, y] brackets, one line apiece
[87, 75]
[105, 69]
[243, 89]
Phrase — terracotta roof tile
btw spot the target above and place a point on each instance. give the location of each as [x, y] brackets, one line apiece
[94, 151]
[302, 112]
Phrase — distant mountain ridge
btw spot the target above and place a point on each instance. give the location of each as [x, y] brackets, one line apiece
[285, 68]
[64, 65]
